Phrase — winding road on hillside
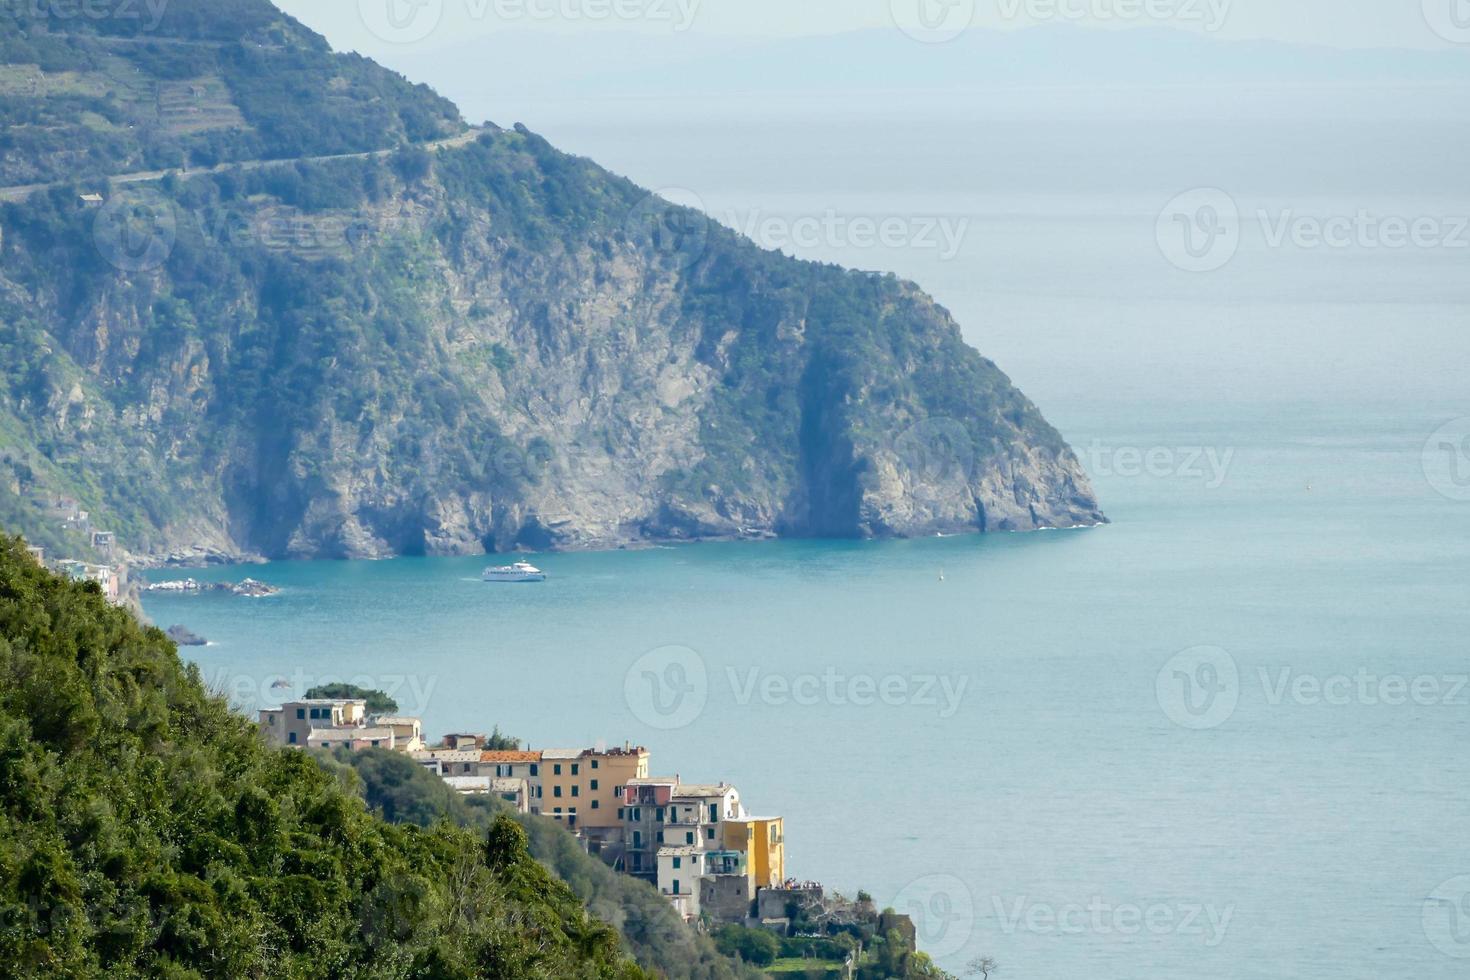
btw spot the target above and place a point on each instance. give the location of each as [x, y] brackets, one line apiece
[20, 192]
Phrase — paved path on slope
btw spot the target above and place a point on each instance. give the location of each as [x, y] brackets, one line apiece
[22, 191]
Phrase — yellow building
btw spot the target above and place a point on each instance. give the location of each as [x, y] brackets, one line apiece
[607, 773]
[581, 786]
[763, 841]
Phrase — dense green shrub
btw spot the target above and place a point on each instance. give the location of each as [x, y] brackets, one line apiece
[146, 830]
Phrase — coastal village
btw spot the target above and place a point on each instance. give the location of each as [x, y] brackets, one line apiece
[716, 861]
[111, 574]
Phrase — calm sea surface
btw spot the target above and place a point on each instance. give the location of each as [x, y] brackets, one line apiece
[992, 748]
[1018, 738]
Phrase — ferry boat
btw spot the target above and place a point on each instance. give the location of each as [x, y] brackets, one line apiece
[519, 572]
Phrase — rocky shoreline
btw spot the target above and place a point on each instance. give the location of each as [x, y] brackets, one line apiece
[217, 558]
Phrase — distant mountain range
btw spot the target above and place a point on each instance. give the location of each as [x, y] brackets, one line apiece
[635, 66]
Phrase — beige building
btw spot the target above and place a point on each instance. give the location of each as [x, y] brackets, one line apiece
[369, 737]
[408, 733]
[293, 722]
[516, 765]
[449, 762]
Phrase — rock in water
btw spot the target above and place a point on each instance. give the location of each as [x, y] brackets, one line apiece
[185, 637]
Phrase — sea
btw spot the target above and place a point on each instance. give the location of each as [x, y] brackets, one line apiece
[1223, 736]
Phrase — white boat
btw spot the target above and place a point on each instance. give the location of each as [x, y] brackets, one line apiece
[519, 572]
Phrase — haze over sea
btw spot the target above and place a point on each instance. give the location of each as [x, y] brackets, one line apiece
[1263, 437]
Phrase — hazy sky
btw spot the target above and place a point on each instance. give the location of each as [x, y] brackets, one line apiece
[363, 24]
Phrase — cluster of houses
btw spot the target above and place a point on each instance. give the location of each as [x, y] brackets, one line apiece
[68, 513]
[696, 842]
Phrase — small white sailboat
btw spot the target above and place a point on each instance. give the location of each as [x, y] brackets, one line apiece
[521, 571]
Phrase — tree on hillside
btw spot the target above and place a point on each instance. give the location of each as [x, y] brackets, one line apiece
[378, 703]
[982, 967]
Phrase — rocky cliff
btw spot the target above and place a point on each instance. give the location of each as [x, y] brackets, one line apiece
[467, 343]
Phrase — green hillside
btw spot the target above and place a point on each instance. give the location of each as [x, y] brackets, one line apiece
[145, 830]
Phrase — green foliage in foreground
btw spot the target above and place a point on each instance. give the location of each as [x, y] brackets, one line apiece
[751, 945]
[146, 830]
[404, 792]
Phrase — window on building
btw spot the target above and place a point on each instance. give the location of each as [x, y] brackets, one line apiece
[556, 791]
[574, 769]
[576, 791]
[659, 814]
[676, 864]
[676, 886]
[534, 769]
[556, 769]
[300, 713]
[637, 841]
[594, 763]
[293, 738]
[620, 813]
[660, 836]
[689, 837]
[594, 805]
[714, 811]
[594, 786]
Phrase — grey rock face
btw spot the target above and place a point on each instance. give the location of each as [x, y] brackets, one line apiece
[466, 377]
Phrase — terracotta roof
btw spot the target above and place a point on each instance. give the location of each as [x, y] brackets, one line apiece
[504, 756]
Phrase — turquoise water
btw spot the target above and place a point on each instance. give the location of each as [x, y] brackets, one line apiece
[1023, 788]
[1058, 817]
